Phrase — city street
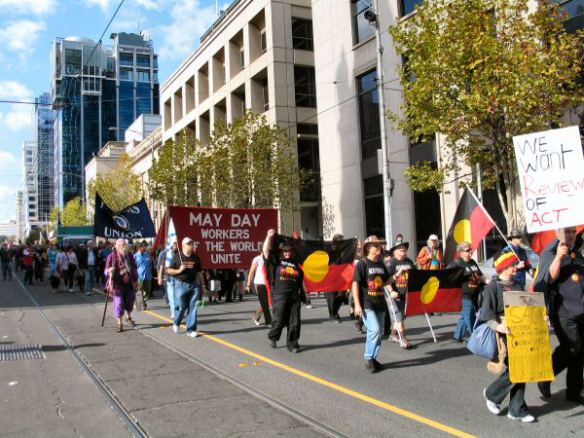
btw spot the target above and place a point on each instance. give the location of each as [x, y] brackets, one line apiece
[229, 382]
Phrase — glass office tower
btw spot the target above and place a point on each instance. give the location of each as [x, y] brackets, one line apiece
[44, 136]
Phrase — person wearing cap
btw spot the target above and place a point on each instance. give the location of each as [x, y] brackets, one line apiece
[430, 256]
[185, 267]
[524, 265]
[562, 282]
[473, 282]
[286, 279]
[371, 276]
[492, 312]
[87, 263]
[398, 267]
[144, 265]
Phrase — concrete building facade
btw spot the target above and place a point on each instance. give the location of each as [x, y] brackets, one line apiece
[258, 55]
[8, 229]
[20, 216]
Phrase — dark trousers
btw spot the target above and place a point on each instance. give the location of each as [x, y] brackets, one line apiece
[570, 354]
[228, 290]
[28, 273]
[286, 314]
[262, 292]
[70, 276]
[39, 271]
[333, 302]
[498, 390]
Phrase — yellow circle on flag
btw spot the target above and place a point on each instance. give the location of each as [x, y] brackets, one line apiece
[316, 266]
[429, 290]
[462, 231]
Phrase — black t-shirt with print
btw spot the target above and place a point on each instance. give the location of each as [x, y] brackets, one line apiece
[472, 274]
[372, 277]
[192, 266]
[286, 278]
[570, 285]
[401, 282]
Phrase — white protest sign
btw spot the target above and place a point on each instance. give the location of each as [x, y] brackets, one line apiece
[551, 174]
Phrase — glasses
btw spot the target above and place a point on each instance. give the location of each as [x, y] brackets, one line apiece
[465, 250]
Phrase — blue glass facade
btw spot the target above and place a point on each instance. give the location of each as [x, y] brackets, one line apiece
[45, 119]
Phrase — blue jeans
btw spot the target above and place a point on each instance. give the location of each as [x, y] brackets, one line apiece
[89, 279]
[170, 295]
[374, 322]
[467, 319]
[187, 297]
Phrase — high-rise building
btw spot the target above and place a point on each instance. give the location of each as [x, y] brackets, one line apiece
[98, 92]
[30, 160]
[44, 137]
[20, 215]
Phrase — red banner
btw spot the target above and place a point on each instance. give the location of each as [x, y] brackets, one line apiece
[224, 237]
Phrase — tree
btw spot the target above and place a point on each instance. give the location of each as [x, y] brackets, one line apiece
[74, 214]
[480, 72]
[118, 188]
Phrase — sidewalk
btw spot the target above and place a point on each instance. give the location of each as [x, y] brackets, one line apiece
[166, 393]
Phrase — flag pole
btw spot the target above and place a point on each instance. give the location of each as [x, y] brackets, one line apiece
[494, 223]
[431, 328]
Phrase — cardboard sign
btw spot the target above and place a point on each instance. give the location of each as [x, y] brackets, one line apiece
[224, 237]
[550, 167]
[529, 345]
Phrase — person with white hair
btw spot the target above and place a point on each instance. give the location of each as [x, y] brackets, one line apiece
[122, 274]
[430, 256]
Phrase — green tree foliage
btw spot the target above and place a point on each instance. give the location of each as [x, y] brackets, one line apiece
[33, 236]
[247, 163]
[118, 188]
[480, 72]
[74, 214]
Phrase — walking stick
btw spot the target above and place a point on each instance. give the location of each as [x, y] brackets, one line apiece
[388, 295]
[107, 292]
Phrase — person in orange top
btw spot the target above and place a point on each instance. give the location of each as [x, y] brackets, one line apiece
[430, 257]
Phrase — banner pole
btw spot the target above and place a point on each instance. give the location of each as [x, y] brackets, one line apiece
[431, 328]
[107, 294]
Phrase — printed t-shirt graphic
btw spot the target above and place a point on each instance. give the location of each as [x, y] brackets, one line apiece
[401, 282]
[372, 277]
[286, 277]
[471, 277]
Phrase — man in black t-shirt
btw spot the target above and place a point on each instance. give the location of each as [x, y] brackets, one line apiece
[286, 279]
[368, 293]
[399, 268]
[472, 285]
[185, 267]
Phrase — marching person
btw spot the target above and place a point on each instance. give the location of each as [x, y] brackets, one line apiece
[563, 285]
[71, 267]
[524, 265]
[257, 274]
[88, 263]
[430, 256]
[334, 300]
[398, 269]
[27, 264]
[144, 265]
[492, 312]
[472, 285]
[287, 293]
[185, 267]
[371, 276]
[122, 274]
[6, 258]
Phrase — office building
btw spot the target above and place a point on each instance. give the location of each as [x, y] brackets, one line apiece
[8, 229]
[44, 137]
[98, 91]
[31, 167]
[258, 55]
[20, 216]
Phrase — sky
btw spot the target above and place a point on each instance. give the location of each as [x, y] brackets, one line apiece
[27, 28]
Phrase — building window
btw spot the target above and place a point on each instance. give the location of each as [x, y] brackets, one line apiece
[242, 58]
[362, 30]
[305, 86]
[302, 34]
[575, 12]
[126, 74]
[143, 60]
[142, 76]
[368, 100]
[72, 61]
[266, 95]
[263, 41]
[126, 58]
[308, 160]
[408, 6]
[374, 213]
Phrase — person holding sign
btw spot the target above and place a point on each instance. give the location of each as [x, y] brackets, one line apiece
[286, 278]
[492, 311]
[185, 267]
[563, 285]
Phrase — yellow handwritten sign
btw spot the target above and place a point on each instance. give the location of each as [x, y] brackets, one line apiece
[529, 344]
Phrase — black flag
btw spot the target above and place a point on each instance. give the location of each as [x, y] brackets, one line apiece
[133, 222]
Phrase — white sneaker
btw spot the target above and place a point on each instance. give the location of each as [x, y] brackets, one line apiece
[493, 407]
[88, 294]
[71, 290]
[525, 419]
[308, 306]
[255, 321]
[175, 328]
[192, 334]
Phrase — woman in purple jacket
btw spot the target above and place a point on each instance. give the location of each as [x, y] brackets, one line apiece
[122, 274]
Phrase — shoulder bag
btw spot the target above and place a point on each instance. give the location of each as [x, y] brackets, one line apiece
[483, 340]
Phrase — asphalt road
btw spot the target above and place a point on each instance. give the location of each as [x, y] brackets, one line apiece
[435, 389]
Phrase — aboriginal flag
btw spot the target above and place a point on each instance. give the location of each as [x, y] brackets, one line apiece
[471, 224]
[434, 291]
[327, 265]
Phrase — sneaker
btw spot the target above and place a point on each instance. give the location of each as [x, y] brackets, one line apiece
[525, 419]
[308, 306]
[545, 389]
[378, 366]
[255, 321]
[88, 294]
[193, 334]
[71, 290]
[494, 408]
[273, 344]
[175, 328]
[369, 365]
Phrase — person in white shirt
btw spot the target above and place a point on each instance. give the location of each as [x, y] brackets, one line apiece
[257, 274]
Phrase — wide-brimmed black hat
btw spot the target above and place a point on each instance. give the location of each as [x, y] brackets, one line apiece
[399, 243]
[514, 233]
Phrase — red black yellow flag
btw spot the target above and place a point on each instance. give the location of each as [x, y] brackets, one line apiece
[434, 291]
[471, 224]
[327, 265]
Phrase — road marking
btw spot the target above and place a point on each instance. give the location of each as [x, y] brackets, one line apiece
[347, 391]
